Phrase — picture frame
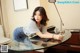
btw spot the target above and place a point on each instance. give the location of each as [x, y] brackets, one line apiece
[20, 5]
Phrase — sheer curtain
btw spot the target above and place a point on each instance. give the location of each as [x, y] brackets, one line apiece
[1, 31]
[4, 19]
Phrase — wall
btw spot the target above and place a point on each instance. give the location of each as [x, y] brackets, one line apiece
[51, 12]
[69, 14]
[17, 18]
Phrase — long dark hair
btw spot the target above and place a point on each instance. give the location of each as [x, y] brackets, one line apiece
[42, 13]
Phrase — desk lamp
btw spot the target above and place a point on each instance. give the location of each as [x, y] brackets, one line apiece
[61, 22]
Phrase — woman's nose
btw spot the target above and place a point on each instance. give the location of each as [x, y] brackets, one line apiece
[37, 17]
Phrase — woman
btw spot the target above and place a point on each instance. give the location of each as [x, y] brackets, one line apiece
[36, 26]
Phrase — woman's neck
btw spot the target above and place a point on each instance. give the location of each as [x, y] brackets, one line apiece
[38, 23]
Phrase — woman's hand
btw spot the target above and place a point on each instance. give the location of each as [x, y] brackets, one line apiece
[58, 37]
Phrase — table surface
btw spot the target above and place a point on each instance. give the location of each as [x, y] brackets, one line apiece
[4, 40]
[39, 44]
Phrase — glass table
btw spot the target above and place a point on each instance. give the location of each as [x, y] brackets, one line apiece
[4, 40]
[38, 44]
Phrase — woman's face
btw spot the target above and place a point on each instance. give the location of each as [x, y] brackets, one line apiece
[37, 16]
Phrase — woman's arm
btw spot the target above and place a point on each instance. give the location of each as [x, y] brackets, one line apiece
[49, 35]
